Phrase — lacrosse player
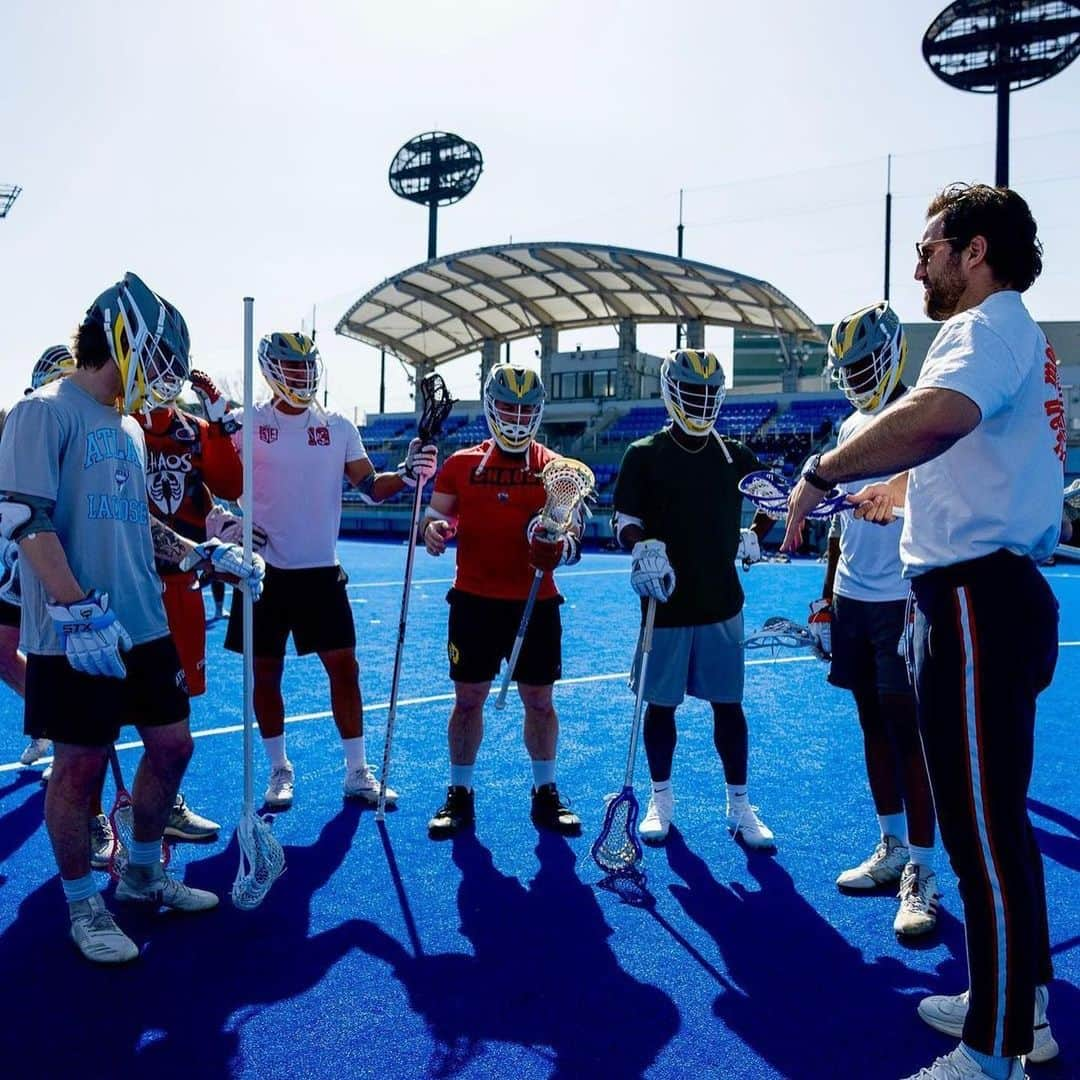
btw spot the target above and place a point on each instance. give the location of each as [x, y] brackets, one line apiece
[858, 622]
[99, 654]
[976, 453]
[490, 497]
[678, 508]
[301, 454]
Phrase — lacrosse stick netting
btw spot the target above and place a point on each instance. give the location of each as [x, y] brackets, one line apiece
[779, 633]
[567, 485]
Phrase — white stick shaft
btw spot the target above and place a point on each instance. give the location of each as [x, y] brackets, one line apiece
[643, 667]
[523, 626]
[247, 503]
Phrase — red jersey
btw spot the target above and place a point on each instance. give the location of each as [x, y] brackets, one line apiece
[494, 507]
[188, 461]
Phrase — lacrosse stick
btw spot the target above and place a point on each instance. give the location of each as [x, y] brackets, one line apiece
[769, 492]
[781, 633]
[617, 849]
[567, 484]
[122, 821]
[261, 857]
[437, 406]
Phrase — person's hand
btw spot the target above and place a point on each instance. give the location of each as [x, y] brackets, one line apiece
[420, 465]
[651, 573]
[544, 553]
[875, 503]
[820, 625]
[92, 635]
[227, 560]
[214, 405]
[437, 534]
[749, 549]
[223, 525]
[803, 498]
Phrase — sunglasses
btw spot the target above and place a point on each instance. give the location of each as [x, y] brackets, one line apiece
[924, 248]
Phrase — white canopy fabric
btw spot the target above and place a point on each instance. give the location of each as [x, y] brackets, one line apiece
[445, 308]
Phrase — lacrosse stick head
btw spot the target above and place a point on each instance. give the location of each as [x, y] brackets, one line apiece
[769, 492]
[617, 850]
[567, 484]
[122, 821]
[437, 404]
[1071, 495]
[778, 633]
[261, 861]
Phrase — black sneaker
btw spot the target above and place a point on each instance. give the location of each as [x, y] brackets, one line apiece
[549, 812]
[457, 813]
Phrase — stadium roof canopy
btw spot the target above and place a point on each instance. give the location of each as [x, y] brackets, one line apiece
[447, 307]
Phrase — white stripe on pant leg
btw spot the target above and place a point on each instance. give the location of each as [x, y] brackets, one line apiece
[971, 734]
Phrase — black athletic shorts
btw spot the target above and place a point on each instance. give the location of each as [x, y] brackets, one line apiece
[865, 636]
[68, 706]
[10, 614]
[312, 605]
[481, 635]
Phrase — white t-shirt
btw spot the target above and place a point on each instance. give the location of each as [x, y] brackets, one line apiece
[299, 462]
[999, 486]
[869, 566]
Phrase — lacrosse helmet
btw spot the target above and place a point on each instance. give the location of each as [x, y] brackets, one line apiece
[292, 366]
[148, 341]
[54, 363]
[513, 405]
[692, 386]
[867, 351]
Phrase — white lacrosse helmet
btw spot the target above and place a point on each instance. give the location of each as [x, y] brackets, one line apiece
[692, 386]
[54, 363]
[291, 364]
[513, 405]
[867, 351]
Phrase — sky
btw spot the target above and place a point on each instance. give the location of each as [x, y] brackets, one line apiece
[231, 148]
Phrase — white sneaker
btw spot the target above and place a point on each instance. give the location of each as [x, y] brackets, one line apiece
[958, 1066]
[361, 784]
[96, 934]
[139, 887]
[46, 776]
[918, 902]
[947, 1013]
[744, 823]
[35, 749]
[883, 867]
[279, 791]
[102, 841]
[657, 820]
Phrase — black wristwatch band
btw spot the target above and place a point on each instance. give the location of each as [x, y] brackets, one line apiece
[811, 475]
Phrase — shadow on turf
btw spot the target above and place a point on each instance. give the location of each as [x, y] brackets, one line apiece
[19, 824]
[541, 973]
[178, 1010]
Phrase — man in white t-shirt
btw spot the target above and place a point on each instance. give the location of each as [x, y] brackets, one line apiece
[301, 454]
[981, 439]
[860, 619]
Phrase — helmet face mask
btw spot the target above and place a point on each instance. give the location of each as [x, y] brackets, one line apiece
[54, 363]
[693, 388]
[291, 364]
[513, 406]
[148, 341]
[867, 351]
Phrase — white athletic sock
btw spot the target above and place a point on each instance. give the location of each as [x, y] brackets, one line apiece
[543, 773]
[921, 856]
[461, 775]
[737, 796]
[275, 751]
[661, 785]
[355, 755]
[893, 825]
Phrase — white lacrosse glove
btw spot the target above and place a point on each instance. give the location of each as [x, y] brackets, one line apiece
[10, 586]
[421, 463]
[749, 549]
[650, 572]
[91, 634]
[228, 559]
[223, 525]
[820, 625]
[214, 405]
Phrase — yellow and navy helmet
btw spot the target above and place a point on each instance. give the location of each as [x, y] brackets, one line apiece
[513, 405]
[692, 386]
[148, 340]
[291, 364]
[54, 363]
[867, 351]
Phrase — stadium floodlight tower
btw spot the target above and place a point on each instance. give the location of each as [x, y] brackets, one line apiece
[8, 194]
[997, 46]
[435, 169]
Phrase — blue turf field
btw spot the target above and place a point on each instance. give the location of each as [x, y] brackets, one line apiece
[495, 955]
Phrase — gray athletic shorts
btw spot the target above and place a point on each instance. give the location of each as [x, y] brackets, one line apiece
[705, 662]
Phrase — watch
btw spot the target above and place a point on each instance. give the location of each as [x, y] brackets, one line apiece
[811, 476]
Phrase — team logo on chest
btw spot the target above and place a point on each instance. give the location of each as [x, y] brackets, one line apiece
[267, 433]
[318, 436]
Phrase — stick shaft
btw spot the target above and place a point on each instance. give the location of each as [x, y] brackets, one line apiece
[523, 626]
[247, 501]
[643, 667]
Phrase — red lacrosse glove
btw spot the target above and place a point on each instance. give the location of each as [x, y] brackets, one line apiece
[214, 405]
[545, 554]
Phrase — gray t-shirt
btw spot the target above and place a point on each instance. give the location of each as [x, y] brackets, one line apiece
[63, 445]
